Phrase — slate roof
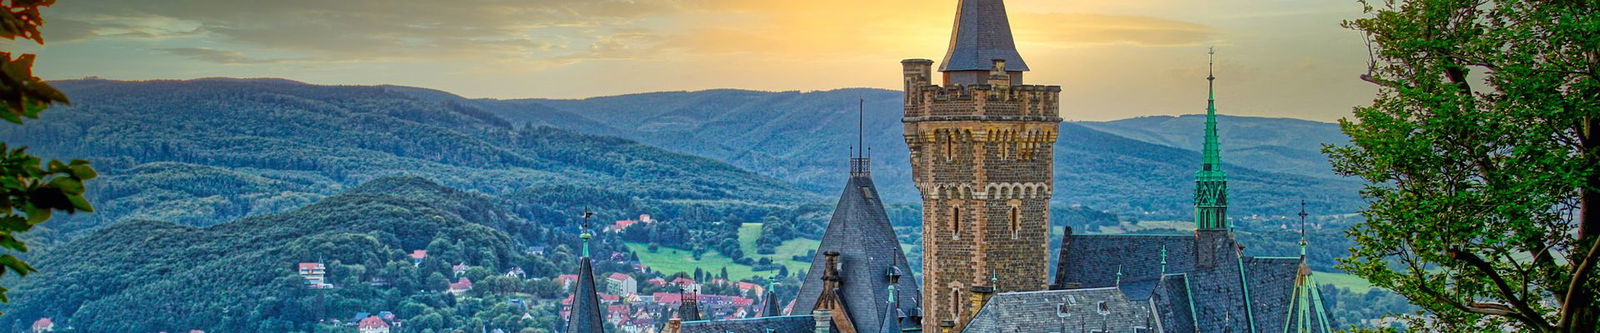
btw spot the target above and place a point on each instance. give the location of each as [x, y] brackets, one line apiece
[586, 317]
[1092, 260]
[982, 33]
[779, 324]
[861, 233]
[1075, 310]
[1200, 292]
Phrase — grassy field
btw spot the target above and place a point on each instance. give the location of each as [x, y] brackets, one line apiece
[669, 260]
[1352, 283]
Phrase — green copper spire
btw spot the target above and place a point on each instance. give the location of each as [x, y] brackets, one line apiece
[1211, 184]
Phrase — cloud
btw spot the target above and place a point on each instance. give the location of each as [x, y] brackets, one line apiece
[219, 56]
[362, 30]
[1081, 29]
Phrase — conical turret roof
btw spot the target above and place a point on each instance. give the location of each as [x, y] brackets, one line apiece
[982, 34]
[867, 247]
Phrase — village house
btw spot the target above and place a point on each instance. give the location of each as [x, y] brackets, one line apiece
[417, 256]
[622, 284]
[373, 324]
[43, 325]
[315, 275]
[461, 286]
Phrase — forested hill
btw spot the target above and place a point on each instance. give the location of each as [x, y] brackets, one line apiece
[200, 152]
[1137, 166]
[240, 276]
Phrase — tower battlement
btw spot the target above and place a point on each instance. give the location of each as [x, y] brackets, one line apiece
[996, 99]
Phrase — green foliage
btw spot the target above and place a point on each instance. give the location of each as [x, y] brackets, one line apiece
[29, 192]
[240, 276]
[223, 149]
[1481, 156]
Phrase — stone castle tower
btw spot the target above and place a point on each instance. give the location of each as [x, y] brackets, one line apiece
[981, 154]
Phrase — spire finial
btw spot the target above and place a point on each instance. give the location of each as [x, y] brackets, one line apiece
[1211, 63]
[1163, 259]
[1119, 275]
[860, 159]
[1303, 241]
[585, 235]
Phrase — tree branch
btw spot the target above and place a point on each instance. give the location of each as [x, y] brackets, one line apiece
[1529, 316]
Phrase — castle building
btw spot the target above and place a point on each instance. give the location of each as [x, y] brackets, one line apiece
[1179, 283]
[982, 157]
[981, 152]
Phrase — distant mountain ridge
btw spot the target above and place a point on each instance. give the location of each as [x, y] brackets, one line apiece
[804, 137]
[199, 152]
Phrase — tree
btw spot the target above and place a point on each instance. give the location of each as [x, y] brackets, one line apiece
[29, 192]
[1481, 153]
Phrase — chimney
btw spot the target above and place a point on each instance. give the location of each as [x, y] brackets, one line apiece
[998, 76]
[918, 73]
[824, 320]
[980, 297]
[674, 325]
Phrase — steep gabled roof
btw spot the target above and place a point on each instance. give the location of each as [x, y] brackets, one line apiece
[586, 317]
[1091, 261]
[1076, 310]
[1233, 293]
[779, 324]
[867, 247]
[982, 34]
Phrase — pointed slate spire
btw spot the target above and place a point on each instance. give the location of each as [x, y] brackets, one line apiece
[863, 245]
[1211, 183]
[585, 316]
[982, 34]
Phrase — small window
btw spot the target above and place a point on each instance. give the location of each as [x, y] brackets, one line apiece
[1101, 306]
[955, 303]
[949, 147]
[955, 222]
[1016, 221]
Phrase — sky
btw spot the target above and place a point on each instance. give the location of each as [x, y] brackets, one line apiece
[1113, 59]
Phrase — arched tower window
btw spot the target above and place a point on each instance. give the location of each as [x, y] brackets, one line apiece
[955, 304]
[949, 145]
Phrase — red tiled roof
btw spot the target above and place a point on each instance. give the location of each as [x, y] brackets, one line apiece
[419, 254]
[462, 284]
[310, 265]
[372, 322]
[43, 323]
[619, 277]
[623, 224]
[567, 277]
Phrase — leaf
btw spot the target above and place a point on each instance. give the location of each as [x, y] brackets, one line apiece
[83, 171]
[21, 267]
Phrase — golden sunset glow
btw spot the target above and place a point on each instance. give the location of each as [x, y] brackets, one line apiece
[1114, 58]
